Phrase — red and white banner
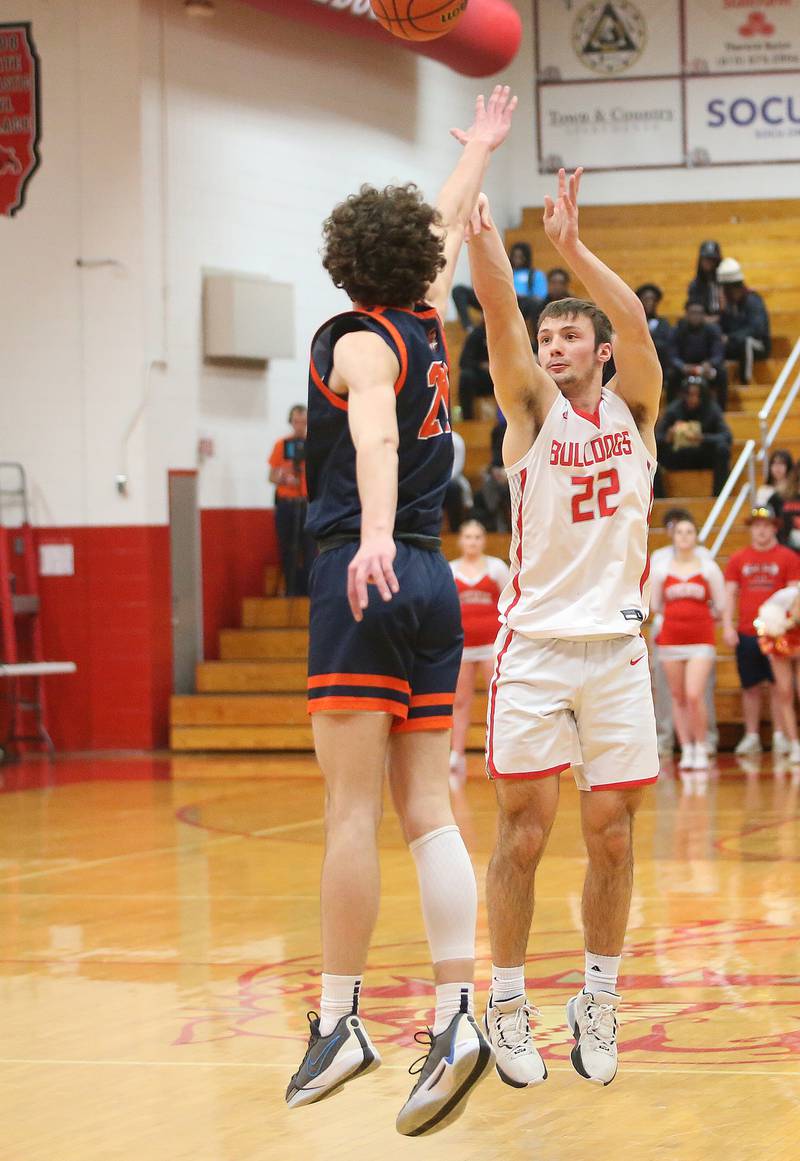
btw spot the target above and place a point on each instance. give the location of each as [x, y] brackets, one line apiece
[483, 42]
[19, 114]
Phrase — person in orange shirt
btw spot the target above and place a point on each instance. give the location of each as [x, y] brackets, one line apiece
[287, 471]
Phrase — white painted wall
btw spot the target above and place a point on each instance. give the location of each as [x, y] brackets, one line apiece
[268, 124]
[70, 356]
[170, 145]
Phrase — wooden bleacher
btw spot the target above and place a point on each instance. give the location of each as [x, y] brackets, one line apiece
[254, 697]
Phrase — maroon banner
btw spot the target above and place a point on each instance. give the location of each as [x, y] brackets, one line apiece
[19, 114]
[484, 41]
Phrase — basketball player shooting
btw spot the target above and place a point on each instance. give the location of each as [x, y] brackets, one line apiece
[571, 684]
[385, 625]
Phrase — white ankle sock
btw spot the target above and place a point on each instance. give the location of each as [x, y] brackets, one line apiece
[450, 999]
[601, 972]
[339, 998]
[508, 982]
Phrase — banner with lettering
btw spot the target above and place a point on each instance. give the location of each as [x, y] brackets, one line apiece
[19, 115]
[631, 84]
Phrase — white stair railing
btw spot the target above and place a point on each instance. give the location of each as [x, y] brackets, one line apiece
[768, 435]
[752, 454]
[746, 463]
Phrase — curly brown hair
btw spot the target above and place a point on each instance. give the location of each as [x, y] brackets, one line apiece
[380, 246]
[579, 307]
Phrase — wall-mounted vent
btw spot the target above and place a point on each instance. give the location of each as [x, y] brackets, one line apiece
[247, 317]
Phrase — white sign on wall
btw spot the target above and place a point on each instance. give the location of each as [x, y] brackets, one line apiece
[750, 37]
[627, 84]
[740, 118]
[608, 126]
[585, 39]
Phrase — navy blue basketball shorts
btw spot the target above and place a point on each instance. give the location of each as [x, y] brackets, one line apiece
[753, 665]
[403, 658]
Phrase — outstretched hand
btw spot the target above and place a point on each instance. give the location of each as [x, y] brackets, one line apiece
[492, 119]
[561, 215]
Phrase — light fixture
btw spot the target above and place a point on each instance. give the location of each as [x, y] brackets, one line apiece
[199, 8]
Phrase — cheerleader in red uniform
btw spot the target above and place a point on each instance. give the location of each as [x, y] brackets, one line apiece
[480, 580]
[690, 592]
[778, 628]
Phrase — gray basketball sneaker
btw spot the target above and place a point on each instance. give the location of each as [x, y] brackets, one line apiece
[592, 1019]
[457, 1060]
[330, 1061]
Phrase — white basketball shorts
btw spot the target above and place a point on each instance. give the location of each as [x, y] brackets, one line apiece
[585, 704]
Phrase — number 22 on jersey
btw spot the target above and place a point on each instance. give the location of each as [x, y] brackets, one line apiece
[439, 383]
[591, 496]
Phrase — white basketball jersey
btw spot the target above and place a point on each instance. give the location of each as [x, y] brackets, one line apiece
[580, 506]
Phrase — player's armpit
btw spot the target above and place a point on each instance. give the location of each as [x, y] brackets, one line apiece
[639, 376]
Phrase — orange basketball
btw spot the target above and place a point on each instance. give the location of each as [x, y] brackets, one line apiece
[419, 19]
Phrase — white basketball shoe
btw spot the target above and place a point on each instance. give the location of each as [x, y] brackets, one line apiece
[508, 1026]
[592, 1019]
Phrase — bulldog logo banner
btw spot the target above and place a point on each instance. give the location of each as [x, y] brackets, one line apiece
[19, 115]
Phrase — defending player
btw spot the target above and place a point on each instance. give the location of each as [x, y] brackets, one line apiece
[383, 663]
[571, 685]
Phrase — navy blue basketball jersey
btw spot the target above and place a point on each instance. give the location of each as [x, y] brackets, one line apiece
[425, 451]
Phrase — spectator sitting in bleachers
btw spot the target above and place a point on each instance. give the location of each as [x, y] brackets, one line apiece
[474, 380]
[704, 287]
[696, 350]
[786, 506]
[650, 296]
[692, 433]
[530, 285]
[744, 319]
[779, 479]
[558, 281]
[529, 282]
[493, 499]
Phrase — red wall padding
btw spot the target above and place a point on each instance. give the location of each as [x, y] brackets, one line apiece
[113, 619]
[238, 544]
[483, 42]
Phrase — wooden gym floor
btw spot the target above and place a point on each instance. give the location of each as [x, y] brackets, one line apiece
[159, 950]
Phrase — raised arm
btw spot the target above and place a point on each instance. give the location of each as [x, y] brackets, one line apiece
[369, 369]
[524, 391]
[639, 376]
[459, 194]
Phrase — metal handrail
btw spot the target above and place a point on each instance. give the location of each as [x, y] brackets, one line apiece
[749, 455]
[763, 416]
[746, 460]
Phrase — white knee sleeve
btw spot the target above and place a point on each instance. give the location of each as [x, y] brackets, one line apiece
[449, 893]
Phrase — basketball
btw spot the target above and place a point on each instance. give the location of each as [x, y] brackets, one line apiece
[419, 19]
